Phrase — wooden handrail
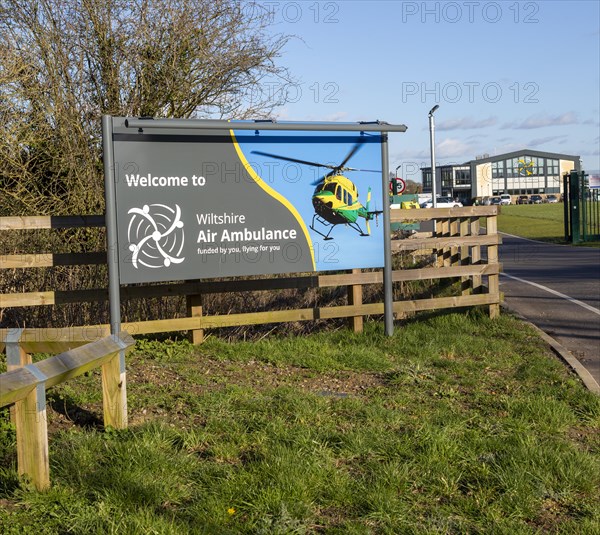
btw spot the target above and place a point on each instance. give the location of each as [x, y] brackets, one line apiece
[26, 388]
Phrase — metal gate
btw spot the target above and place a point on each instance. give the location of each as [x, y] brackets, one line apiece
[582, 208]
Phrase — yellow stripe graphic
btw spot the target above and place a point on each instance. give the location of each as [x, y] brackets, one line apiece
[276, 195]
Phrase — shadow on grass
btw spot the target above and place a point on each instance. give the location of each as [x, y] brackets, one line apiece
[64, 404]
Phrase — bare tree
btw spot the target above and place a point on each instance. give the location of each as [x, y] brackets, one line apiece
[64, 63]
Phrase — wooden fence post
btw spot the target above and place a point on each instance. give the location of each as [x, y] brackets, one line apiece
[493, 280]
[454, 232]
[114, 389]
[475, 256]
[355, 296]
[464, 255]
[444, 255]
[34, 462]
[16, 357]
[194, 310]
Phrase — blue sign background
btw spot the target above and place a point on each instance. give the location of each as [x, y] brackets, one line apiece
[347, 249]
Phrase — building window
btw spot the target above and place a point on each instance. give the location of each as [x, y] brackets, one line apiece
[446, 177]
[498, 169]
[497, 187]
[427, 184]
[552, 167]
[512, 168]
[462, 177]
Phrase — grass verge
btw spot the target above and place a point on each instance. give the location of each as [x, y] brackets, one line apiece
[544, 222]
[456, 424]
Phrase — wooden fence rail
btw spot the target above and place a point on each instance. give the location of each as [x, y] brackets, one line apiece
[25, 385]
[457, 244]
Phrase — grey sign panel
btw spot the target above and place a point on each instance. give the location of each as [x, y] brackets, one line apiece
[187, 208]
[192, 199]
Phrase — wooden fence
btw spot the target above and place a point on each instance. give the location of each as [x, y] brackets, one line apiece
[459, 250]
[462, 252]
[25, 384]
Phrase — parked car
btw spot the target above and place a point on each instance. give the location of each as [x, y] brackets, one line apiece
[523, 199]
[442, 202]
[495, 201]
[535, 199]
[552, 199]
[505, 198]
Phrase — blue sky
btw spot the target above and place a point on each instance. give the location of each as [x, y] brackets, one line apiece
[507, 75]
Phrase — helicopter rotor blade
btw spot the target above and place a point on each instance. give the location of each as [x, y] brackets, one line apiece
[368, 228]
[352, 152]
[362, 170]
[294, 160]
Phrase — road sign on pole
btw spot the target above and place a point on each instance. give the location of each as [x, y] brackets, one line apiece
[397, 186]
[400, 186]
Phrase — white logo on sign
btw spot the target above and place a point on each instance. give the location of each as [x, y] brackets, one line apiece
[155, 235]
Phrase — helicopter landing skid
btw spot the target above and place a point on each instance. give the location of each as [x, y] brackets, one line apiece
[331, 226]
[325, 224]
[356, 227]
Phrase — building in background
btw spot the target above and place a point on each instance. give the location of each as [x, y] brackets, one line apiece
[523, 172]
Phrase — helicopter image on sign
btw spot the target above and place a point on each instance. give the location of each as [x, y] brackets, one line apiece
[335, 198]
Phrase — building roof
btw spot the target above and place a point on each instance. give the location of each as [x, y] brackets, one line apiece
[528, 152]
[509, 155]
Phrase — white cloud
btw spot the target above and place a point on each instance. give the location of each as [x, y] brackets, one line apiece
[543, 140]
[283, 114]
[542, 120]
[336, 117]
[450, 148]
[465, 123]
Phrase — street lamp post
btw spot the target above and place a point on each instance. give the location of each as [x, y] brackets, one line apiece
[432, 145]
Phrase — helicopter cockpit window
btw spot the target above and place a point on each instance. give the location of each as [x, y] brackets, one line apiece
[338, 193]
[329, 187]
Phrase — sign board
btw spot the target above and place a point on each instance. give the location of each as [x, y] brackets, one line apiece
[195, 204]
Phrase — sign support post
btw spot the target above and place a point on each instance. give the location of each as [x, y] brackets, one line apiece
[388, 291]
[114, 385]
[112, 248]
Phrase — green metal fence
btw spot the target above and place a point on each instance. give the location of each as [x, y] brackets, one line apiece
[582, 208]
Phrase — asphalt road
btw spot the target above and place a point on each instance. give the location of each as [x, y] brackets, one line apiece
[557, 288]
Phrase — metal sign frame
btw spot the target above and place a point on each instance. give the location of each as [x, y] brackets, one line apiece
[150, 124]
